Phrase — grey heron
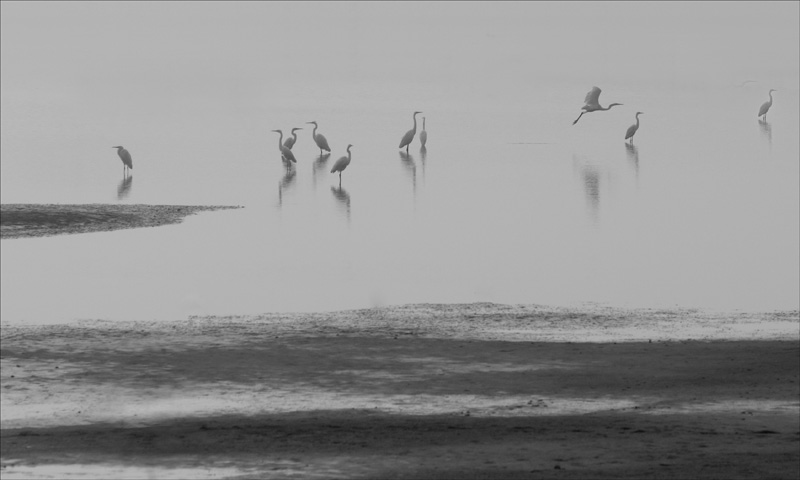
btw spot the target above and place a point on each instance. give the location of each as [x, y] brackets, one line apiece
[285, 152]
[592, 101]
[423, 135]
[632, 129]
[127, 161]
[409, 136]
[319, 139]
[762, 112]
[289, 143]
[341, 164]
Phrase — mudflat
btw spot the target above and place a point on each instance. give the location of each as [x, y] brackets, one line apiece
[419, 391]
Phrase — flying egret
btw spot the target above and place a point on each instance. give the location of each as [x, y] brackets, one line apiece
[285, 152]
[127, 161]
[423, 135]
[289, 143]
[341, 164]
[592, 101]
[319, 139]
[409, 136]
[632, 129]
[762, 112]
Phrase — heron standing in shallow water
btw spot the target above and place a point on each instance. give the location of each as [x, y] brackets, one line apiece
[592, 101]
[409, 136]
[423, 135]
[633, 128]
[127, 161]
[289, 143]
[341, 164]
[286, 154]
[762, 112]
[319, 139]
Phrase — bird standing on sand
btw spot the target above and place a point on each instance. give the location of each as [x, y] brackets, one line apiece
[289, 143]
[409, 136]
[632, 129]
[762, 112]
[127, 161]
[423, 135]
[286, 154]
[341, 164]
[319, 139]
[592, 101]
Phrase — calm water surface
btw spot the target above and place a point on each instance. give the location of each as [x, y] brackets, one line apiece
[510, 203]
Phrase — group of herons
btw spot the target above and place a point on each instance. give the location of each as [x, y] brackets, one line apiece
[592, 104]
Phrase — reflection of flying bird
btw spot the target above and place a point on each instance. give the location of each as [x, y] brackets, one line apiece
[423, 135]
[319, 139]
[762, 112]
[592, 101]
[127, 161]
[409, 136]
[285, 152]
[289, 143]
[633, 128]
[341, 164]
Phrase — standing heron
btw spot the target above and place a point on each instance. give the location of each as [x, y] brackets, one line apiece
[423, 135]
[409, 136]
[762, 112]
[633, 128]
[289, 143]
[341, 164]
[592, 101]
[127, 161]
[286, 154]
[319, 139]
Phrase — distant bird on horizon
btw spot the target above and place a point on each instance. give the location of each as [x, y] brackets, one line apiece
[633, 128]
[286, 153]
[423, 135]
[409, 136]
[127, 161]
[319, 139]
[762, 112]
[592, 102]
[341, 164]
[289, 143]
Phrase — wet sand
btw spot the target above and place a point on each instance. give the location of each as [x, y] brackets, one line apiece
[420, 391]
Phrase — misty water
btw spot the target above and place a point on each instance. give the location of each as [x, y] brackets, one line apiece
[510, 203]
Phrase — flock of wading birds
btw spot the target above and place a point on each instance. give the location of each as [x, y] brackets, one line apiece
[592, 104]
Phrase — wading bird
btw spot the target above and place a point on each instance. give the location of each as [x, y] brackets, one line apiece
[341, 164]
[592, 101]
[289, 143]
[127, 161]
[762, 112]
[632, 129]
[286, 154]
[409, 136]
[319, 139]
[423, 135]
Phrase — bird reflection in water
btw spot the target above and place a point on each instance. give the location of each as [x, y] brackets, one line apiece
[344, 199]
[633, 157]
[285, 184]
[423, 155]
[319, 166]
[591, 186]
[124, 187]
[766, 130]
[411, 167]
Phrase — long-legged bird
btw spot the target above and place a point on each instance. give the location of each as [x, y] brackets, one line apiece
[423, 135]
[319, 139]
[592, 101]
[286, 154]
[341, 164]
[127, 161]
[762, 112]
[289, 143]
[632, 129]
[409, 136]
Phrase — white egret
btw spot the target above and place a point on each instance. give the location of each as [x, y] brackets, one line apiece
[632, 129]
[341, 164]
[409, 136]
[285, 152]
[592, 101]
[762, 112]
[423, 135]
[319, 139]
[289, 143]
[127, 161]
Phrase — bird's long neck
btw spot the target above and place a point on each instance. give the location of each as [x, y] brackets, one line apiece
[348, 153]
[770, 97]
[637, 120]
[314, 133]
[415, 123]
[294, 135]
[280, 139]
[423, 123]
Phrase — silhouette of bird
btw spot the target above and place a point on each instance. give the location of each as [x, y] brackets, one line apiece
[286, 154]
[289, 143]
[319, 139]
[423, 135]
[341, 164]
[633, 128]
[127, 161]
[762, 112]
[409, 136]
[592, 101]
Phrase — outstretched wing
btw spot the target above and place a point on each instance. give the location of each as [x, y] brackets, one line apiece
[593, 97]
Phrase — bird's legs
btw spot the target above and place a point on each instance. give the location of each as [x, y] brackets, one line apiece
[579, 117]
